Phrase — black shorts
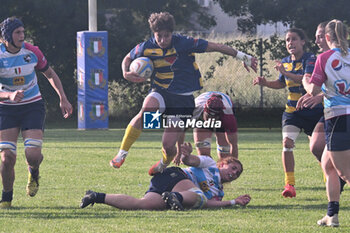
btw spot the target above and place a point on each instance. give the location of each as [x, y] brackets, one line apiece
[177, 105]
[306, 120]
[165, 181]
[338, 133]
[25, 117]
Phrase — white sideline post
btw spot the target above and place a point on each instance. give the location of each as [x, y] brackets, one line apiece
[93, 15]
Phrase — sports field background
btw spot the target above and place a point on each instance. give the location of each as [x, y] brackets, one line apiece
[78, 160]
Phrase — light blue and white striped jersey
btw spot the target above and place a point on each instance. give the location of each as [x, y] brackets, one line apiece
[207, 177]
[17, 72]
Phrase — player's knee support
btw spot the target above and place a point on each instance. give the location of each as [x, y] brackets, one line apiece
[290, 131]
[32, 143]
[201, 198]
[223, 149]
[204, 144]
[285, 149]
[12, 146]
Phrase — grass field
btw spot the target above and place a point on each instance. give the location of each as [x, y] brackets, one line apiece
[78, 160]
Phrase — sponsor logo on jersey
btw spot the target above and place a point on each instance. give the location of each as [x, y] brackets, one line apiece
[336, 65]
[27, 58]
[18, 81]
[342, 87]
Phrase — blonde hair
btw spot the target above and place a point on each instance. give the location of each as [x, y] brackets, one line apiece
[338, 35]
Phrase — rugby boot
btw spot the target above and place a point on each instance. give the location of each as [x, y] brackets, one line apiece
[157, 168]
[119, 159]
[172, 201]
[5, 204]
[89, 198]
[329, 221]
[289, 191]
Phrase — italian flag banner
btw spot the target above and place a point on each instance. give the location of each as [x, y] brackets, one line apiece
[81, 78]
[81, 111]
[98, 109]
[98, 77]
[97, 46]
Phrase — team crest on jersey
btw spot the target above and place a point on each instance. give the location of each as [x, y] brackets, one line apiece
[18, 81]
[98, 112]
[342, 87]
[96, 47]
[336, 65]
[96, 79]
[27, 58]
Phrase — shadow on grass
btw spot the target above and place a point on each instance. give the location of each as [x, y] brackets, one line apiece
[63, 212]
[292, 207]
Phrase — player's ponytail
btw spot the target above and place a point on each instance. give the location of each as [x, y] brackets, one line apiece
[338, 35]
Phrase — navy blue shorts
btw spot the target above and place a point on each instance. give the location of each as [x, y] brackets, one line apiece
[322, 120]
[338, 133]
[165, 181]
[305, 120]
[26, 116]
[177, 104]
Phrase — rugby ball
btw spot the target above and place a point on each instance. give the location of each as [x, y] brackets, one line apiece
[143, 66]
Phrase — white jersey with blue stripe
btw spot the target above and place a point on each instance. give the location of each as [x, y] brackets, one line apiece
[17, 72]
[207, 177]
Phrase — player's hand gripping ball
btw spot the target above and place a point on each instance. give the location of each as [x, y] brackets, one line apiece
[143, 66]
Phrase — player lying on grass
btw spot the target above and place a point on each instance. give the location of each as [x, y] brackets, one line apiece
[198, 186]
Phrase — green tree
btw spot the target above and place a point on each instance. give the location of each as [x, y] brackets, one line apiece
[298, 13]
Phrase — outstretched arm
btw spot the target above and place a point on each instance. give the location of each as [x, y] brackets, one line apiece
[248, 60]
[55, 82]
[241, 200]
[276, 84]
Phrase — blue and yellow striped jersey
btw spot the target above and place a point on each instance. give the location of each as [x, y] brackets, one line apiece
[175, 68]
[295, 90]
